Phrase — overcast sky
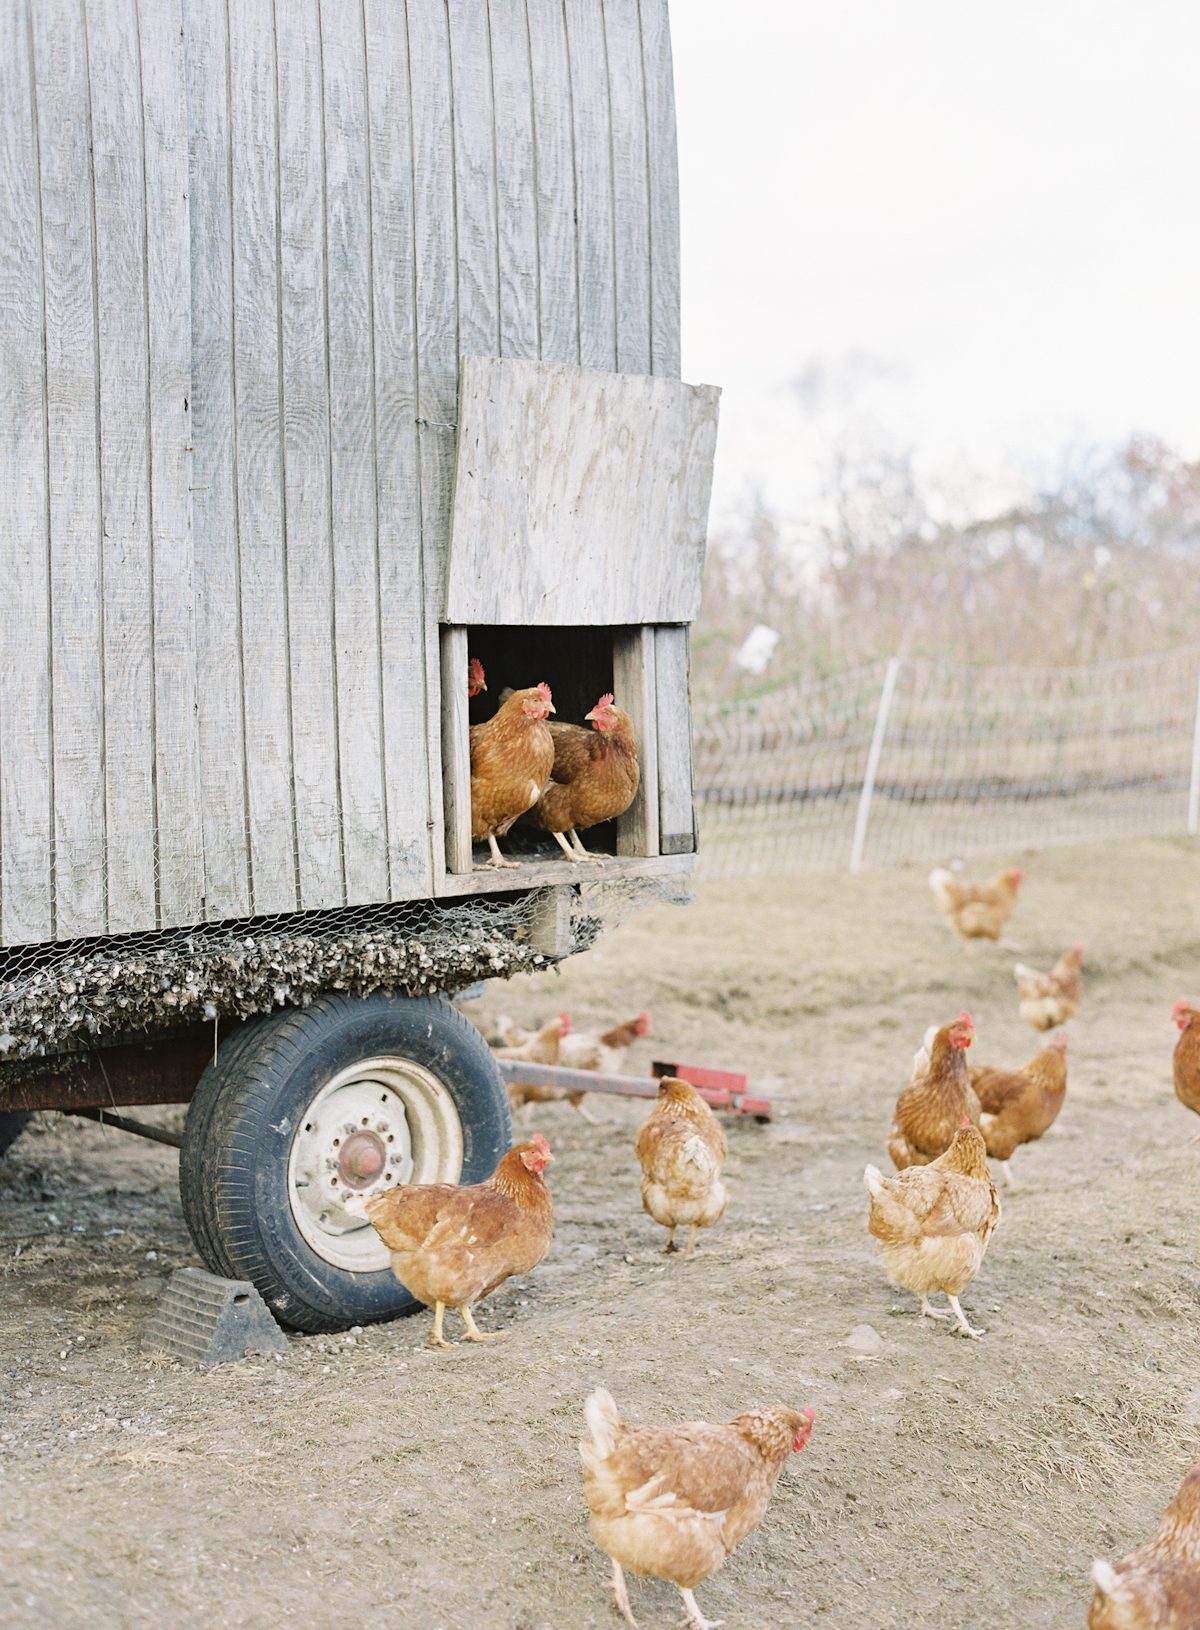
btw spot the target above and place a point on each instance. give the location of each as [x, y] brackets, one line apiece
[999, 199]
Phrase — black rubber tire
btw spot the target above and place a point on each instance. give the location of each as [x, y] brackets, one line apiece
[242, 1120]
[12, 1124]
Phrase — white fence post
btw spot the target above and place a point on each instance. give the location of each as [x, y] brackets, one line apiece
[868, 786]
[1194, 788]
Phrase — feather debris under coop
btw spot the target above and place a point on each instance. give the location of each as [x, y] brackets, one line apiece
[56, 997]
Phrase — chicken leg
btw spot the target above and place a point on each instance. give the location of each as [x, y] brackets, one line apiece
[931, 1312]
[963, 1324]
[1009, 1179]
[497, 858]
[694, 1616]
[474, 1333]
[621, 1595]
[581, 852]
[437, 1339]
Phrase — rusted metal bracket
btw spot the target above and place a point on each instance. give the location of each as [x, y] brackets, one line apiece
[125, 1123]
[717, 1094]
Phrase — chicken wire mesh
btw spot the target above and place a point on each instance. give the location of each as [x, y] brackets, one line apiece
[71, 994]
[968, 760]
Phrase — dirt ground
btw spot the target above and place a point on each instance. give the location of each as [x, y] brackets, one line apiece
[369, 1481]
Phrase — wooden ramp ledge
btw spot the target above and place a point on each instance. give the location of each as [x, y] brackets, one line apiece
[516, 1073]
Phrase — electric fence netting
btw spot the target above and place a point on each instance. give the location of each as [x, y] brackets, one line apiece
[913, 760]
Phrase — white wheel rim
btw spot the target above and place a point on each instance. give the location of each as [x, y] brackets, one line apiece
[384, 1113]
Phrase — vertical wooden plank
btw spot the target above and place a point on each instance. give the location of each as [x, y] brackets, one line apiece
[676, 804]
[634, 690]
[456, 754]
[353, 519]
[558, 270]
[305, 402]
[259, 457]
[403, 678]
[178, 834]
[662, 158]
[437, 282]
[592, 129]
[474, 179]
[215, 518]
[516, 180]
[25, 727]
[630, 183]
[128, 659]
[64, 140]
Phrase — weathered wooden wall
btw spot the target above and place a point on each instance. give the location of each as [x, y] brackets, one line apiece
[227, 430]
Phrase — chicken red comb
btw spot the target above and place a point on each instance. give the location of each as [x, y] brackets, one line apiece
[1017, 877]
[965, 1018]
[809, 1413]
[540, 1144]
[606, 700]
[642, 1023]
[1180, 1007]
[564, 1024]
[1079, 949]
[544, 688]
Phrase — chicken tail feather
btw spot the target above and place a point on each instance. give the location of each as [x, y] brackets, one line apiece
[600, 1412]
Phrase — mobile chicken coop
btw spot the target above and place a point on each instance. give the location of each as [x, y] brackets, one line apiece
[340, 339]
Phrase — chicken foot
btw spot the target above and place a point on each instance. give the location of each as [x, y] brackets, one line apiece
[963, 1324]
[474, 1333]
[437, 1339]
[932, 1312]
[497, 858]
[694, 1616]
[1009, 1179]
[581, 852]
[621, 1594]
[670, 1247]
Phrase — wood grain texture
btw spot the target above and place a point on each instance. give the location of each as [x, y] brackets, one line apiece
[215, 517]
[26, 822]
[552, 873]
[456, 750]
[662, 165]
[306, 464]
[127, 656]
[598, 484]
[403, 610]
[353, 517]
[554, 157]
[676, 801]
[592, 142]
[474, 178]
[258, 394]
[630, 184]
[177, 819]
[435, 322]
[515, 180]
[635, 690]
[72, 392]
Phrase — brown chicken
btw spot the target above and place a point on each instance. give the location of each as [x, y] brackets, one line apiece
[930, 1111]
[595, 778]
[1158, 1587]
[1051, 998]
[453, 1245]
[512, 755]
[1019, 1105]
[1187, 1058]
[682, 1147]
[934, 1222]
[475, 680]
[674, 1502]
[976, 910]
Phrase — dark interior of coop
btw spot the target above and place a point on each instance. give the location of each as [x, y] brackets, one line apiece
[577, 664]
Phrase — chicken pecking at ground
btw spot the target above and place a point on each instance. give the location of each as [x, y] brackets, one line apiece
[673, 1502]
[1187, 1058]
[933, 1222]
[452, 1245]
[930, 1110]
[595, 778]
[976, 910]
[1018, 1106]
[1158, 1587]
[1051, 998]
[682, 1147]
[512, 755]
